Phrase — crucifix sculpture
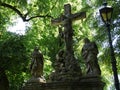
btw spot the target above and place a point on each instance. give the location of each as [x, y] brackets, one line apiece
[66, 66]
[66, 20]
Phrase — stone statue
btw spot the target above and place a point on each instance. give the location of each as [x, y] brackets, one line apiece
[61, 37]
[89, 54]
[36, 66]
[66, 66]
[59, 64]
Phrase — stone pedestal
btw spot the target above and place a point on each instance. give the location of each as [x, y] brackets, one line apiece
[85, 83]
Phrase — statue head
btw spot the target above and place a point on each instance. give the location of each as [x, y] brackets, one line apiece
[86, 40]
[36, 48]
[61, 53]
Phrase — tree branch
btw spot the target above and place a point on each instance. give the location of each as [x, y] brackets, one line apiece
[23, 16]
[39, 16]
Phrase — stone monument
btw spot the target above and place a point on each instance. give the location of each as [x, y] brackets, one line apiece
[68, 74]
[66, 66]
[89, 54]
[36, 66]
[36, 69]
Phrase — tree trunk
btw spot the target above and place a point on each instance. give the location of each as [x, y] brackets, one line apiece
[4, 83]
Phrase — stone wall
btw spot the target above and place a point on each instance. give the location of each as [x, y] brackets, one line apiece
[83, 84]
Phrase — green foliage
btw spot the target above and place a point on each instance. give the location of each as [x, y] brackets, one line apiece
[14, 59]
[15, 50]
[101, 38]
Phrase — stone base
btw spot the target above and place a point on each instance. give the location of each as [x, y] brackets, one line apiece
[37, 80]
[86, 83]
[64, 77]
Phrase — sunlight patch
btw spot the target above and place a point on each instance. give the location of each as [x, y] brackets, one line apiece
[18, 26]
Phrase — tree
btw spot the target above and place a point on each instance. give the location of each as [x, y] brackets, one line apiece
[41, 33]
[14, 59]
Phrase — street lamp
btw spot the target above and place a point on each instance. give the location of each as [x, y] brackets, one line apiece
[106, 14]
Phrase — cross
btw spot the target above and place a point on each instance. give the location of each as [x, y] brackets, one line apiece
[66, 20]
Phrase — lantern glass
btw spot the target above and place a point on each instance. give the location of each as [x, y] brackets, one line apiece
[106, 14]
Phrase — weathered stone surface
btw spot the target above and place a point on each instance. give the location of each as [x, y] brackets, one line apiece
[67, 74]
[89, 54]
[37, 80]
[86, 83]
[37, 63]
[66, 66]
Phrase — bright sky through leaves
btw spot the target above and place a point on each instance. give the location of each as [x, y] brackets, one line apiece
[18, 26]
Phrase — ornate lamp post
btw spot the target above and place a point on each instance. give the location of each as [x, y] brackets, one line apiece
[106, 14]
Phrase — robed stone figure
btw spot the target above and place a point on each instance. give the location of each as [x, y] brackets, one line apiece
[36, 66]
[89, 54]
